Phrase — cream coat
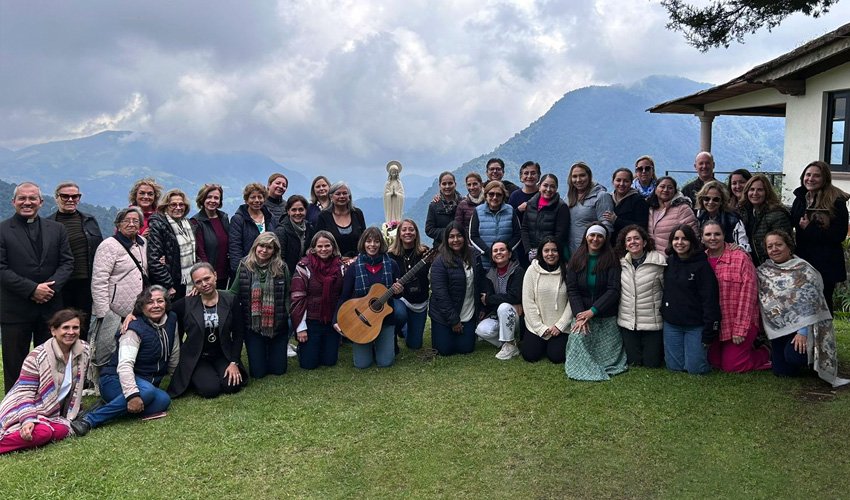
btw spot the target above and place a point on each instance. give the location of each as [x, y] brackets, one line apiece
[640, 292]
[544, 300]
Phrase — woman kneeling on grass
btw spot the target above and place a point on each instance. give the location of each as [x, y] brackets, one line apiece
[210, 354]
[733, 351]
[501, 296]
[690, 305]
[39, 407]
[544, 302]
[262, 285]
[796, 317]
[594, 349]
[316, 286]
[371, 267]
[452, 307]
[641, 288]
[147, 352]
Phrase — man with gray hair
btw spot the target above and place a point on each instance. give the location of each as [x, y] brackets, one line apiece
[84, 236]
[35, 263]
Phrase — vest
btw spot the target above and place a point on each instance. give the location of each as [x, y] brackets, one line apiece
[154, 350]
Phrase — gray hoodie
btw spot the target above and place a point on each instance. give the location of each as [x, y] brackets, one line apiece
[590, 209]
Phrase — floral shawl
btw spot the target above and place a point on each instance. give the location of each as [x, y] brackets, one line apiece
[791, 298]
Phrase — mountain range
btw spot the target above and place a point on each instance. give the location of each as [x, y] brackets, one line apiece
[605, 126]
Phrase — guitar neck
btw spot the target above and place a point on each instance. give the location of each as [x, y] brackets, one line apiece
[409, 275]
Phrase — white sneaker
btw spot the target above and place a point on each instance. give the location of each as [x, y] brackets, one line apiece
[290, 351]
[508, 351]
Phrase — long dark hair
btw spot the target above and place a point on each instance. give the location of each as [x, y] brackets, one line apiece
[652, 201]
[607, 259]
[449, 257]
[690, 235]
[562, 262]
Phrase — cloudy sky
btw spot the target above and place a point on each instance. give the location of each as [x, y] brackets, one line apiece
[349, 83]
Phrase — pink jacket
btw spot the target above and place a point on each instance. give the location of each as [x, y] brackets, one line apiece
[663, 220]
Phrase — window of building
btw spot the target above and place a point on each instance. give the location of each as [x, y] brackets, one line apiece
[837, 152]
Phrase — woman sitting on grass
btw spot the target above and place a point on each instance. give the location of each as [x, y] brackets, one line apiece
[146, 353]
[594, 349]
[40, 406]
[795, 315]
[544, 303]
[501, 296]
[452, 307]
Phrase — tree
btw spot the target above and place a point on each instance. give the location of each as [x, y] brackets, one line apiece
[723, 21]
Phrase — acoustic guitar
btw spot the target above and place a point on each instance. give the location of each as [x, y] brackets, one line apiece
[360, 319]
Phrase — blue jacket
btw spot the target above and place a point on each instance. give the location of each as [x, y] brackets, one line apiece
[488, 227]
[155, 348]
[243, 232]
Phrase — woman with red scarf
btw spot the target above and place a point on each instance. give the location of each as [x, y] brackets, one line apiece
[316, 285]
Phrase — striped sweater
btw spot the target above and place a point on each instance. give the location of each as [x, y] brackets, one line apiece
[35, 396]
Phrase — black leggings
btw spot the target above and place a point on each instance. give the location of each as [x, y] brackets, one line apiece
[533, 348]
[209, 378]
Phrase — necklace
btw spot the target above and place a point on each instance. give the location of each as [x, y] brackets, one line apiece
[211, 322]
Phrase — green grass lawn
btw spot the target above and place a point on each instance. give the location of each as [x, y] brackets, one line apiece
[466, 426]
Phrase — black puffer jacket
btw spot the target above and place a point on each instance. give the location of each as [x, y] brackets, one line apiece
[242, 287]
[162, 242]
[448, 289]
[691, 295]
[632, 209]
[552, 220]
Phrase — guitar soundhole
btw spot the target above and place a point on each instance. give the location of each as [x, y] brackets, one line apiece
[373, 303]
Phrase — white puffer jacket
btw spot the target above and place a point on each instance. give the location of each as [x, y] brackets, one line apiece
[544, 300]
[640, 292]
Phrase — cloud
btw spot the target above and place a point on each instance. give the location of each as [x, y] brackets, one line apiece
[337, 84]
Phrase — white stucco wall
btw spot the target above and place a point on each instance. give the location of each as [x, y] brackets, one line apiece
[804, 125]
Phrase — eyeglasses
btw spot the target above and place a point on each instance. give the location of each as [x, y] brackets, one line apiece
[493, 194]
[176, 205]
[131, 222]
[710, 199]
[643, 169]
[66, 197]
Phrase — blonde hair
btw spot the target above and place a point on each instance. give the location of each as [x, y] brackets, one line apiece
[276, 266]
[166, 199]
[720, 187]
[147, 181]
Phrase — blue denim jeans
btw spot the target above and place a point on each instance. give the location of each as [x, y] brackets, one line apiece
[154, 398]
[683, 349]
[321, 348]
[380, 351]
[447, 342]
[266, 354]
[413, 324]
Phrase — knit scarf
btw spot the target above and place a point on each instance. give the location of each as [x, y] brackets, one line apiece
[791, 298]
[186, 242]
[476, 201]
[300, 230]
[361, 274]
[327, 272]
[449, 205]
[262, 302]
